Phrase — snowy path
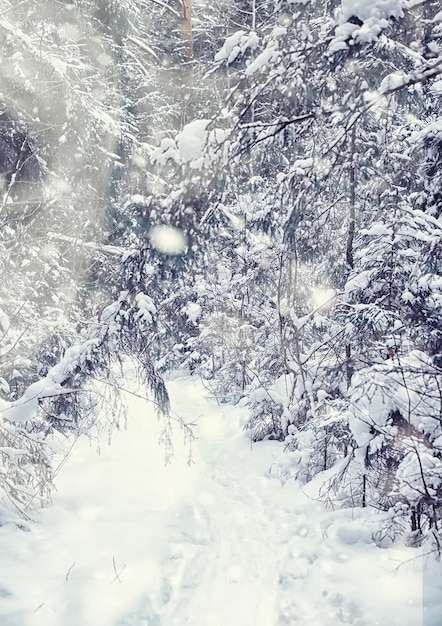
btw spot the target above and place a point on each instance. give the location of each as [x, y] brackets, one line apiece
[129, 542]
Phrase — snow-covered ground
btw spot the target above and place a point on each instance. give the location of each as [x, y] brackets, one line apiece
[226, 541]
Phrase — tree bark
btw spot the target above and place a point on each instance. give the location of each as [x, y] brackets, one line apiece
[350, 240]
[185, 10]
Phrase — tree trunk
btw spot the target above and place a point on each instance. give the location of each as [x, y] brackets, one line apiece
[186, 27]
[350, 241]
[186, 70]
[352, 203]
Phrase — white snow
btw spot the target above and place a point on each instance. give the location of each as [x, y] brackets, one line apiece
[376, 230]
[231, 47]
[322, 295]
[378, 9]
[166, 151]
[230, 540]
[374, 15]
[268, 54]
[436, 87]
[237, 44]
[193, 311]
[194, 146]
[392, 82]
[146, 308]
[191, 142]
[167, 239]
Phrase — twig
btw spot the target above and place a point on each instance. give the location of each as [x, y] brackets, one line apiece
[117, 574]
[69, 571]
[413, 558]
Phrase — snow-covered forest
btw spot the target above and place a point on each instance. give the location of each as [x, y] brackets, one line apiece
[221, 230]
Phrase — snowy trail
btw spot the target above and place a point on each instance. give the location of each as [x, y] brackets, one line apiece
[129, 542]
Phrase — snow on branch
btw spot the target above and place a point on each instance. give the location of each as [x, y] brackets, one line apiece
[362, 22]
[236, 45]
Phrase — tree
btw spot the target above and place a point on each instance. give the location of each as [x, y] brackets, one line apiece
[66, 129]
[327, 110]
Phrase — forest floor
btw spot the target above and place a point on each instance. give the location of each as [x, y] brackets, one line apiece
[229, 540]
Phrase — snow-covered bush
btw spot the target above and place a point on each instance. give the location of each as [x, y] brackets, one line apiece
[394, 417]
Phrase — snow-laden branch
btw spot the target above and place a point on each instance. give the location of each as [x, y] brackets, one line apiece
[91, 245]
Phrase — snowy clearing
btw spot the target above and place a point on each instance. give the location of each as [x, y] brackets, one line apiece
[229, 541]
